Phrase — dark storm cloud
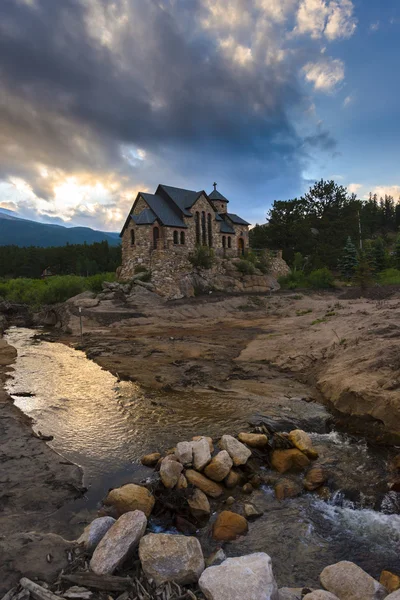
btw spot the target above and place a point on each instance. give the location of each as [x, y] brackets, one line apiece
[73, 93]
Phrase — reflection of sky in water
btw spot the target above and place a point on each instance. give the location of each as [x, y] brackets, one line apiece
[101, 423]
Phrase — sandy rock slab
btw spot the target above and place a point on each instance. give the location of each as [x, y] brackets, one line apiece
[349, 582]
[118, 543]
[238, 452]
[95, 532]
[245, 578]
[167, 557]
[131, 497]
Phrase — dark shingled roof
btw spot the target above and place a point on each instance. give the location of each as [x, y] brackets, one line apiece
[163, 211]
[184, 199]
[237, 220]
[226, 228]
[146, 217]
[215, 195]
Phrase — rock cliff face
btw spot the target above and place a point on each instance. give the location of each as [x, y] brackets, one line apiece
[174, 277]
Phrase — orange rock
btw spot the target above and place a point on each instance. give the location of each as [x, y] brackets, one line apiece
[390, 581]
[150, 460]
[315, 477]
[255, 440]
[286, 488]
[289, 460]
[229, 526]
[302, 441]
[204, 484]
[232, 480]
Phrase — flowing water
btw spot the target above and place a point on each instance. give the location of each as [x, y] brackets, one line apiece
[105, 425]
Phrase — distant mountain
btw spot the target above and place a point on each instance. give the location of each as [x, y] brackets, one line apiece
[22, 232]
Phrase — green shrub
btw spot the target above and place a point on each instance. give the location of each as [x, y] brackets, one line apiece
[245, 267]
[146, 276]
[37, 292]
[202, 257]
[295, 279]
[386, 277]
[321, 279]
[250, 256]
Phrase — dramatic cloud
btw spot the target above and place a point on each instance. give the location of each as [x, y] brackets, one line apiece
[101, 98]
[324, 75]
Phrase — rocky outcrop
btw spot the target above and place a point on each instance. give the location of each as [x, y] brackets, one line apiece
[118, 543]
[167, 557]
[247, 577]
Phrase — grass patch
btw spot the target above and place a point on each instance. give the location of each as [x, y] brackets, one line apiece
[330, 313]
[321, 279]
[389, 277]
[317, 321]
[300, 313]
[38, 292]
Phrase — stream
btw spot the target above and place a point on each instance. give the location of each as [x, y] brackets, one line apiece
[106, 425]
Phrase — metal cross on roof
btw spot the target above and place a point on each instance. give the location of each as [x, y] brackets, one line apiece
[215, 186]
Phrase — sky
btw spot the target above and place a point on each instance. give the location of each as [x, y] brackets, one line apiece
[100, 99]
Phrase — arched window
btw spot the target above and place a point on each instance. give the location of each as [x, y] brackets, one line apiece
[132, 237]
[182, 237]
[176, 238]
[209, 228]
[229, 242]
[203, 229]
[223, 241]
[198, 241]
[156, 237]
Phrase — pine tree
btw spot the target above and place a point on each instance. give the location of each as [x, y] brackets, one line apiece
[348, 261]
[397, 253]
[363, 275]
[380, 254]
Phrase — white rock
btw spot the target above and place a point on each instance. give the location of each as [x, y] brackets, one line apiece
[170, 471]
[320, 595]
[184, 453]
[94, 532]
[167, 557]
[246, 577]
[350, 582]
[238, 452]
[118, 543]
[393, 596]
[201, 454]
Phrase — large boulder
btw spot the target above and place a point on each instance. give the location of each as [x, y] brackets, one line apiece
[244, 578]
[201, 454]
[301, 440]
[289, 460]
[118, 543]
[229, 526]
[212, 489]
[130, 497]
[394, 596]
[170, 471]
[219, 466]
[94, 532]
[255, 440]
[199, 504]
[196, 438]
[236, 450]
[349, 582]
[167, 557]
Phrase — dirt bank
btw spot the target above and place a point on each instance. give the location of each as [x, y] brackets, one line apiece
[35, 481]
[346, 348]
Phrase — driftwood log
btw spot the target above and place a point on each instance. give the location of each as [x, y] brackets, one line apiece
[110, 583]
[37, 591]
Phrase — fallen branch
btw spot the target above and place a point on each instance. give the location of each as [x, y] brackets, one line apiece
[37, 591]
[111, 583]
